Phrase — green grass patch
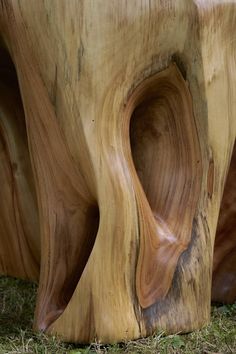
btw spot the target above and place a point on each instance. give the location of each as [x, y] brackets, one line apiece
[17, 302]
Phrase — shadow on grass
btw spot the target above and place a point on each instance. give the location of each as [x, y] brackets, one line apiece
[17, 303]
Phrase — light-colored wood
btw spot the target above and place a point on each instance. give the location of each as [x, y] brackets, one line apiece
[130, 113]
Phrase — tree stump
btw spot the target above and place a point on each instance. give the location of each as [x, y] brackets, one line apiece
[117, 126]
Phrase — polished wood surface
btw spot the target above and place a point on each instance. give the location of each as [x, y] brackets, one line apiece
[121, 127]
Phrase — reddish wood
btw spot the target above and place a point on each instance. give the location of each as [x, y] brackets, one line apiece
[224, 266]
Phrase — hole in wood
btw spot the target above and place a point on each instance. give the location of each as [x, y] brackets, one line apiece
[166, 154]
[224, 265]
[19, 225]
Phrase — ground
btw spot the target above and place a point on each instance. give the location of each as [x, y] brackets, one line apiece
[17, 301]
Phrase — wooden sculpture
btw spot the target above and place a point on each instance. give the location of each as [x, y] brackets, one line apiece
[117, 126]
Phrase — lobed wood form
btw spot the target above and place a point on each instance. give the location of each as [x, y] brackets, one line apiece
[117, 127]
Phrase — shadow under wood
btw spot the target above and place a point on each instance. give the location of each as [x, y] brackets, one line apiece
[19, 225]
[224, 265]
[17, 303]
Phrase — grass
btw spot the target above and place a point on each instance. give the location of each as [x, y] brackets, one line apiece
[17, 301]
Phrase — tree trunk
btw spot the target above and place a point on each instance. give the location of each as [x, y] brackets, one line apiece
[114, 153]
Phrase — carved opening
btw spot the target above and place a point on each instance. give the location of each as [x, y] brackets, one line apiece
[224, 265]
[19, 226]
[166, 155]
